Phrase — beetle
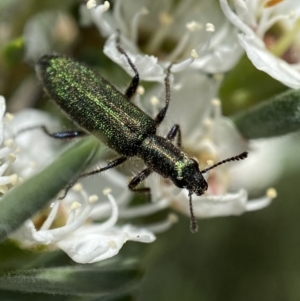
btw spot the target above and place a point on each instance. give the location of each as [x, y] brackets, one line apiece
[97, 107]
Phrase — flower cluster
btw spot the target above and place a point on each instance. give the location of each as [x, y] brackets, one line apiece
[276, 55]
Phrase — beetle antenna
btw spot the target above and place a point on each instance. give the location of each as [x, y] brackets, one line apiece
[193, 223]
[236, 158]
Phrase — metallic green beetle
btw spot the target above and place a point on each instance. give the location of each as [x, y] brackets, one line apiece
[96, 106]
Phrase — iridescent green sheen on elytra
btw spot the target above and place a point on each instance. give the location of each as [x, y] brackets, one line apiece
[94, 104]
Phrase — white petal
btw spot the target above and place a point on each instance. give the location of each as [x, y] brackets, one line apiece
[88, 244]
[263, 166]
[190, 101]
[208, 206]
[25, 233]
[148, 67]
[265, 61]
[223, 53]
[219, 60]
[228, 140]
[225, 205]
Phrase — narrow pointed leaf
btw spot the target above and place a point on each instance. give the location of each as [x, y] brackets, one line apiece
[275, 117]
[76, 281]
[26, 199]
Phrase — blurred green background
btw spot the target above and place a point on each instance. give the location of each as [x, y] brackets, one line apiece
[255, 256]
[252, 257]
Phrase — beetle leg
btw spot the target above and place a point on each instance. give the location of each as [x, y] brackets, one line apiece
[141, 176]
[136, 79]
[110, 165]
[161, 115]
[64, 134]
[57, 135]
[175, 131]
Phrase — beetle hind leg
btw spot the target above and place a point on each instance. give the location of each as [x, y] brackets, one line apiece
[57, 135]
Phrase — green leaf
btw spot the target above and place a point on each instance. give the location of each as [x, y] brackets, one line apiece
[19, 296]
[26, 199]
[275, 117]
[245, 86]
[76, 281]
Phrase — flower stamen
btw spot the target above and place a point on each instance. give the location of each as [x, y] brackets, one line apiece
[285, 42]
[145, 209]
[201, 49]
[9, 117]
[135, 24]
[183, 42]
[162, 226]
[262, 202]
[114, 215]
[12, 179]
[154, 43]
[51, 217]
[118, 16]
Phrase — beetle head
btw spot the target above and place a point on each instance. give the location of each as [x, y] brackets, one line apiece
[188, 175]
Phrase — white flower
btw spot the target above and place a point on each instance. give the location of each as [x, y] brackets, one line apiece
[66, 224]
[277, 56]
[83, 242]
[146, 28]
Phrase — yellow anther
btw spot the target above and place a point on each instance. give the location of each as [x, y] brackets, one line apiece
[106, 191]
[77, 187]
[271, 193]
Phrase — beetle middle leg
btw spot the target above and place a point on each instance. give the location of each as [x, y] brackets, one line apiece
[136, 79]
[141, 176]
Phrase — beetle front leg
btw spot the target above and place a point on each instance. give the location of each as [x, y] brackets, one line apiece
[161, 115]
